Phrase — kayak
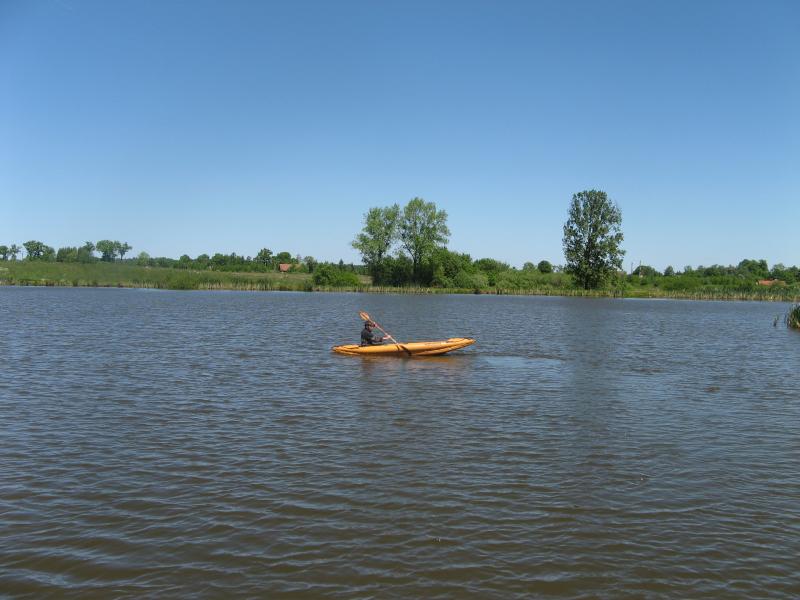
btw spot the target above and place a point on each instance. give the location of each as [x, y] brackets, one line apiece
[406, 348]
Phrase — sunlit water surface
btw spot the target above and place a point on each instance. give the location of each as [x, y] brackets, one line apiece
[191, 444]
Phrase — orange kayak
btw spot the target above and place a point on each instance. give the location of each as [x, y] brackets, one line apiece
[406, 349]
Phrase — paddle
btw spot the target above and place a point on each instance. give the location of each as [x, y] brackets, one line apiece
[366, 317]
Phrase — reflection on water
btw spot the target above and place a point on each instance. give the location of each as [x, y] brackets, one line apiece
[174, 444]
[440, 365]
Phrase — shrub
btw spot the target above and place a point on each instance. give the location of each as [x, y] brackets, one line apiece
[328, 275]
[440, 279]
[491, 265]
[470, 281]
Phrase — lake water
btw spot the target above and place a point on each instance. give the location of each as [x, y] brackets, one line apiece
[192, 444]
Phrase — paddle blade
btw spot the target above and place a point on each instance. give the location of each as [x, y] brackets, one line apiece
[364, 316]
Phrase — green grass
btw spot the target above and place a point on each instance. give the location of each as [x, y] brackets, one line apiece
[554, 284]
[121, 275]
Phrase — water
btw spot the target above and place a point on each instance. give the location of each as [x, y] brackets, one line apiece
[191, 444]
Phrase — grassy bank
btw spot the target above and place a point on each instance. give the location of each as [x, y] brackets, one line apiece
[103, 274]
[122, 275]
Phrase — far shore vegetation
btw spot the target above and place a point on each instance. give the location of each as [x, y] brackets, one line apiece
[484, 276]
[404, 250]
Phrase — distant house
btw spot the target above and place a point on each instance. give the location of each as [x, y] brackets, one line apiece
[285, 267]
[771, 282]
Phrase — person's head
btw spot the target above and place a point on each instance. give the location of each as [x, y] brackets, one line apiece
[368, 324]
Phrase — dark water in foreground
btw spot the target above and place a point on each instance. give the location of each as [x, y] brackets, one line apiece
[190, 444]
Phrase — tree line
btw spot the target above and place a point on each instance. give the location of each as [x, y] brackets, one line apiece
[114, 251]
[747, 273]
[407, 246]
[109, 251]
[264, 261]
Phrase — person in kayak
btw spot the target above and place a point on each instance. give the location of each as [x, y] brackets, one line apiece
[368, 338]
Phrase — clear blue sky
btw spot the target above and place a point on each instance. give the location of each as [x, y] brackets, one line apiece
[191, 127]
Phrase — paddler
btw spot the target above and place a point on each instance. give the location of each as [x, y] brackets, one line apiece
[368, 338]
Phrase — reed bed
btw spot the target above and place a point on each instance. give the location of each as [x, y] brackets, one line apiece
[793, 317]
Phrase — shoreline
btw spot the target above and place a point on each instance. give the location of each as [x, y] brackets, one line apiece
[276, 285]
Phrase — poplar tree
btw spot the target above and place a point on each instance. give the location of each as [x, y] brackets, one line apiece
[423, 229]
[592, 238]
[376, 238]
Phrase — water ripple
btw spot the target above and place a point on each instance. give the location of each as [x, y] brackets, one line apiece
[173, 444]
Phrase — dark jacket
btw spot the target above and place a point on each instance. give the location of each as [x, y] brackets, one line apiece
[368, 338]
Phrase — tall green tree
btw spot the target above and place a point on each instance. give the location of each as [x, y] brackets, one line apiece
[376, 238]
[592, 238]
[86, 253]
[33, 249]
[4, 252]
[755, 269]
[264, 257]
[67, 254]
[122, 248]
[423, 229]
[38, 251]
[13, 251]
[310, 263]
[108, 249]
